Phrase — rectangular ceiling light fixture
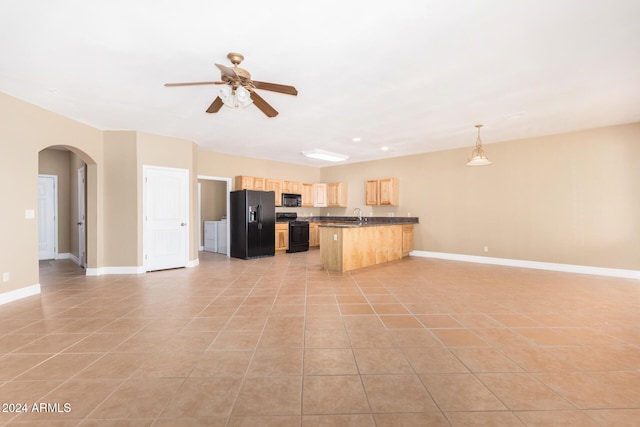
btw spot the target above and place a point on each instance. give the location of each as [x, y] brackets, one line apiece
[325, 155]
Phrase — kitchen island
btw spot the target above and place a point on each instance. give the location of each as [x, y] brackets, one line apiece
[349, 245]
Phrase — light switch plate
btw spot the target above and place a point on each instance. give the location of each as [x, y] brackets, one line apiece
[29, 214]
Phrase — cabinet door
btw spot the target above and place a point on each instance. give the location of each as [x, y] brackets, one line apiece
[371, 192]
[258, 184]
[314, 237]
[307, 195]
[407, 239]
[244, 183]
[388, 191]
[274, 185]
[337, 194]
[320, 195]
[282, 237]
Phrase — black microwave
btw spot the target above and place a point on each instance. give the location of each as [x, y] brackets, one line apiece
[291, 200]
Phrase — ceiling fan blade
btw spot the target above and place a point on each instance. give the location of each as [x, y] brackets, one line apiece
[274, 87]
[193, 84]
[227, 71]
[215, 106]
[263, 105]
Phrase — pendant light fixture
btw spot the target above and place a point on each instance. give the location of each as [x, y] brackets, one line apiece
[477, 155]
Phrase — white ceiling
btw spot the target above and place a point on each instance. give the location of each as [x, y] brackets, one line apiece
[414, 76]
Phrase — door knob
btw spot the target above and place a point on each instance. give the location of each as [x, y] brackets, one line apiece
[183, 224]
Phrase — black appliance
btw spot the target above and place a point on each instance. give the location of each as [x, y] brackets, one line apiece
[298, 231]
[252, 224]
[291, 200]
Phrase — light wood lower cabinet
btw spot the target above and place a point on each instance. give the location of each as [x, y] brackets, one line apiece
[282, 237]
[349, 248]
[314, 236]
[407, 239]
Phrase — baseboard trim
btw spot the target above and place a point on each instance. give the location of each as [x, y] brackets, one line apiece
[17, 294]
[568, 268]
[140, 269]
[101, 271]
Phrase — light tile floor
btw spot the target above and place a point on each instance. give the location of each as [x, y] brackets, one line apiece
[281, 342]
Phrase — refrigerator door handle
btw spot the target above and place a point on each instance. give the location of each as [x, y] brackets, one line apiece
[259, 217]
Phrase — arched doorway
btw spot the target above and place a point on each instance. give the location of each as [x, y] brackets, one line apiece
[76, 207]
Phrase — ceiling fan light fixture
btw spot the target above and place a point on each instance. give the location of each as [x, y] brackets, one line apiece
[243, 97]
[477, 155]
[325, 155]
[225, 92]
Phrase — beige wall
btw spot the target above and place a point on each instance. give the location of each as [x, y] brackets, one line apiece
[26, 130]
[121, 193]
[571, 199]
[228, 166]
[213, 199]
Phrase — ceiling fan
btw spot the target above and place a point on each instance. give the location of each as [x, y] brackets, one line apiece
[239, 89]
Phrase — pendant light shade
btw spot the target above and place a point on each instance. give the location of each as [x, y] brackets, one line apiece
[477, 155]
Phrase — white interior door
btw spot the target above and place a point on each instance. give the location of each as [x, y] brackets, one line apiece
[82, 225]
[47, 224]
[165, 213]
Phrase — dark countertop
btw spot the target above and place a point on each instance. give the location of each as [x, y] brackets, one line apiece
[353, 221]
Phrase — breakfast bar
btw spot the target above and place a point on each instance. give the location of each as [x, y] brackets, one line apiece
[346, 246]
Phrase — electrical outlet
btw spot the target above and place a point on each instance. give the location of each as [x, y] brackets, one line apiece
[335, 237]
[486, 248]
[5, 276]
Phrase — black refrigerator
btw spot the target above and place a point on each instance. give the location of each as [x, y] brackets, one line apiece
[252, 224]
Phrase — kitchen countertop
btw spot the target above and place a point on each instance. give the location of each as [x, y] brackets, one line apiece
[353, 221]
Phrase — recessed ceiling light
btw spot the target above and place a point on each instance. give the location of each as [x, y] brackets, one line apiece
[356, 139]
[385, 148]
[325, 155]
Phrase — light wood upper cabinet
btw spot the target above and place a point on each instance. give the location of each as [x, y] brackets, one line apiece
[307, 194]
[382, 192]
[320, 195]
[292, 187]
[388, 191]
[276, 186]
[258, 184]
[371, 192]
[244, 183]
[336, 194]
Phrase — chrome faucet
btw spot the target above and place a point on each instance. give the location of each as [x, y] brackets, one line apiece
[358, 213]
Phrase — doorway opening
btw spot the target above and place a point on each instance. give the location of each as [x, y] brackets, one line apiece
[213, 214]
[63, 163]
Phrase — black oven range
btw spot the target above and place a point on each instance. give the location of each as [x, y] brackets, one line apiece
[298, 231]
